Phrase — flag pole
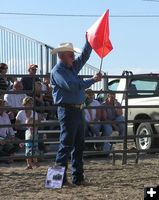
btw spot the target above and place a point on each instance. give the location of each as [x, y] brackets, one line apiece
[101, 63]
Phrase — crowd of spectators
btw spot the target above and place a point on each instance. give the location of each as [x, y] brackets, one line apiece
[20, 108]
[21, 102]
[110, 113]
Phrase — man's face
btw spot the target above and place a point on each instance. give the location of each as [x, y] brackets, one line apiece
[46, 81]
[67, 57]
[90, 96]
[32, 71]
[111, 98]
[4, 70]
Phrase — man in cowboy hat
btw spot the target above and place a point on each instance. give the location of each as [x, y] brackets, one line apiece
[69, 94]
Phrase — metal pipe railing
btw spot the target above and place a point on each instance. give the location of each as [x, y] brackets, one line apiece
[18, 51]
[126, 107]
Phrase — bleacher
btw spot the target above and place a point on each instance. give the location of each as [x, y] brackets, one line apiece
[42, 57]
[51, 140]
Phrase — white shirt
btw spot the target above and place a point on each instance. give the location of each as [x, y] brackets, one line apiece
[5, 131]
[44, 87]
[14, 100]
[21, 116]
[87, 114]
[29, 135]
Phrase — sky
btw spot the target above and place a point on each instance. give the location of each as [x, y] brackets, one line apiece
[135, 40]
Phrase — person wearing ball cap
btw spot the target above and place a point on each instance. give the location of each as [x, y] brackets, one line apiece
[28, 81]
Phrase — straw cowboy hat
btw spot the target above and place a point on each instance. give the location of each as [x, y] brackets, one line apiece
[63, 47]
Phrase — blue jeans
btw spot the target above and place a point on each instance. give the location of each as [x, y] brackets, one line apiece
[108, 129]
[92, 130]
[71, 141]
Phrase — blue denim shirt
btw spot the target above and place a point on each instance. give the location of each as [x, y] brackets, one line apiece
[68, 87]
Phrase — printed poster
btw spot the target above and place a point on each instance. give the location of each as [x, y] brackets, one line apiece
[54, 177]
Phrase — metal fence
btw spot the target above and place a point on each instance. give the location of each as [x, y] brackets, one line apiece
[90, 70]
[18, 51]
[126, 106]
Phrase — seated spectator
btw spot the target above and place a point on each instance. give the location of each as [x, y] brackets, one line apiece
[23, 115]
[46, 82]
[91, 115]
[14, 100]
[6, 133]
[30, 148]
[47, 97]
[47, 89]
[38, 94]
[115, 115]
[5, 83]
[28, 81]
[100, 96]
[39, 101]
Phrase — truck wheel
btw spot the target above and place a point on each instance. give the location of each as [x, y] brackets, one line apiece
[144, 143]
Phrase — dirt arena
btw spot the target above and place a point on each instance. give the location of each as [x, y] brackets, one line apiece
[117, 182]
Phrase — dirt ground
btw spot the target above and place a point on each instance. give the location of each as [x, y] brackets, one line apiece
[110, 182]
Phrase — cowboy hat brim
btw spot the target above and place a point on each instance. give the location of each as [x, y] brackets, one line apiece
[65, 49]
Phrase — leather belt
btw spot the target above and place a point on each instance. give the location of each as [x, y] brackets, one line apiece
[67, 105]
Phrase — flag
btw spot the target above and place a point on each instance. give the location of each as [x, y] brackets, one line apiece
[98, 35]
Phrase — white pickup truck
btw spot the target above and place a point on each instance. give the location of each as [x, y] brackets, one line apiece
[143, 90]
